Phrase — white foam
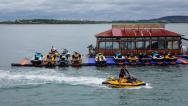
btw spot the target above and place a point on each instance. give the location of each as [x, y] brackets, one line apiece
[45, 76]
[147, 86]
[18, 78]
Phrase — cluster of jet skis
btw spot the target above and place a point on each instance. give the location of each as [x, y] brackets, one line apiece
[54, 58]
[155, 57]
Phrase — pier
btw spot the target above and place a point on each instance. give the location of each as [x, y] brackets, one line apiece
[110, 62]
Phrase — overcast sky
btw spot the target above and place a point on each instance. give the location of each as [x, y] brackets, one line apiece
[91, 9]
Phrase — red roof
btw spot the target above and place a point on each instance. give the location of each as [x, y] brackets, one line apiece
[120, 32]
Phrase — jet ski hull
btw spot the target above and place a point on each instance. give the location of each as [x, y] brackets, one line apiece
[125, 83]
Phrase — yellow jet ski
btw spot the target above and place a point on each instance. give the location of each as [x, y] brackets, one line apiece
[125, 83]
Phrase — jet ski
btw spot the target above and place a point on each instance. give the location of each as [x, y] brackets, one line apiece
[63, 61]
[144, 58]
[76, 59]
[170, 58]
[156, 57]
[100, 59]
[91, 51]
[37, 59]
[119, 59]
[125, 83]
[64, 58]
[132, 59]
[49, 60]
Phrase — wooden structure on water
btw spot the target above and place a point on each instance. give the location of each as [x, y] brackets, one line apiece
[138, 38]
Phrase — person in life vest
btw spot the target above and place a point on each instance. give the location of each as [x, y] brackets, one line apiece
[124, 73]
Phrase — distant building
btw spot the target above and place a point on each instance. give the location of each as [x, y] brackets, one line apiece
[138, 38]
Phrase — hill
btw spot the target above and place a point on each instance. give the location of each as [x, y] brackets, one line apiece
[172, 19]
[166, 19]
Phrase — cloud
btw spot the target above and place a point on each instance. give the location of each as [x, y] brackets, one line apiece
[92, 9]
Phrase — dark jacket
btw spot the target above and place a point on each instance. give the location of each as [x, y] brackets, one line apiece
[123, 72]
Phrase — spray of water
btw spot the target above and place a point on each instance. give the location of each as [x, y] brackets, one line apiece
[8, 79]
[20, 78]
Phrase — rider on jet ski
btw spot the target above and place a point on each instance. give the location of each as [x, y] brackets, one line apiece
[124, 73]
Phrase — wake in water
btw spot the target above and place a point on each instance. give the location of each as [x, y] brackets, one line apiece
[147, 86]
[14, 79]
[11, 79]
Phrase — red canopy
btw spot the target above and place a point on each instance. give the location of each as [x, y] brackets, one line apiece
[120, 32]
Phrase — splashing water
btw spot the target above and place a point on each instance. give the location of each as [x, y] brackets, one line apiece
[9, 79]
[147, 86]
[12, 79]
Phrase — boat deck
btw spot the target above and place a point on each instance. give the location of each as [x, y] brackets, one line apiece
[110, 61]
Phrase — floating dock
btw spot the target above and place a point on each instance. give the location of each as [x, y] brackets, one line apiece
[110, 61]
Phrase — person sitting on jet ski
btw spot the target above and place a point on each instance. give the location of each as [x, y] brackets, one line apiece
[54, 51]
[100, 57]
[118, 54]
[66, 53]
[124, 73]
[38, 56]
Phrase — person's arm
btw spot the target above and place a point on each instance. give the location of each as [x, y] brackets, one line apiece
[127, 72]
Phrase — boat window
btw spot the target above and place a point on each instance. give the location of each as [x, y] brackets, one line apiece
[102, 45]
[115, 45]
[154, 45]
[124, 39]
[161, 43]
[169, 38]
[161, 38]
[115, 38]
[108, 39]
[146, 38]
[139, 38]
[131, 45]
[147, 45]
[154, 38]
[123, 45]
[108, 45]
[140, 45]
[101, 39]
[175, 44]
[169, 45]
[131, 38]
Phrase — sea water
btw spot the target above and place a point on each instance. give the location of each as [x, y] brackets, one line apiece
[68, 86]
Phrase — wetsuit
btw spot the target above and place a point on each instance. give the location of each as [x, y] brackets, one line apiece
[122, 73]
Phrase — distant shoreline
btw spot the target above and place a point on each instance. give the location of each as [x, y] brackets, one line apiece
[83, 23]
[167, 19]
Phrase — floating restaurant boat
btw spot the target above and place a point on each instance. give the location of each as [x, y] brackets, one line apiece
[138, 38]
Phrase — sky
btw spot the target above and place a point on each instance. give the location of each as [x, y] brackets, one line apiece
[91, 9]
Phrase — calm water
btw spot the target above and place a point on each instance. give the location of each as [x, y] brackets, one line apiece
[21, 86]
